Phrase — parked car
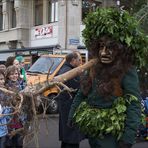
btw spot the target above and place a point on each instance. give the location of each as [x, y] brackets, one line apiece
[37, 73]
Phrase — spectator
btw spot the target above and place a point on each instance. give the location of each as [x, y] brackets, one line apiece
[3, 67]
[12, 83]
[10, 61]
[22, 69]
[4, 109]
[69, 136]
[18, 62]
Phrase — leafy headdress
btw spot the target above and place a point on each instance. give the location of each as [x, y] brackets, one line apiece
[120, 26]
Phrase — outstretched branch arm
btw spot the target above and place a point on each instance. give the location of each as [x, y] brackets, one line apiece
[75, 72]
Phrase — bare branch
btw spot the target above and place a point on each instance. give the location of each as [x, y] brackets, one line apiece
[7, 91]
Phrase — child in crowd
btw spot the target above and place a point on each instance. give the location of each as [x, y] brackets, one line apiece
[4, 109]
[12, 78]
[18, 62]
[12, 83]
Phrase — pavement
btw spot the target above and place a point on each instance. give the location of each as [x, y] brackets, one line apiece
[48, 135]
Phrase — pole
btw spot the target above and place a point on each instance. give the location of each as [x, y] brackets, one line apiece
[66, 22]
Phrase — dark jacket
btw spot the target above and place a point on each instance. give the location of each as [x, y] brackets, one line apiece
[130, 85]
[67, 134]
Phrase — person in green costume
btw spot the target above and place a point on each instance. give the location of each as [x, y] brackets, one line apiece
[113, 37]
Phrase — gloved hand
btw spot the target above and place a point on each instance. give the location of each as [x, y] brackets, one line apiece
[122, 144]
[70, 123]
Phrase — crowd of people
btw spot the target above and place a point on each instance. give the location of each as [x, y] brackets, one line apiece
[12, 77]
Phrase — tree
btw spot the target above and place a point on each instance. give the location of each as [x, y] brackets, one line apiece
[139, 8]
[134, 5]
[142, 16]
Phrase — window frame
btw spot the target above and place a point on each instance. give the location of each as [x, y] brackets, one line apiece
[38, 19]
[12, 14]
[52, 12]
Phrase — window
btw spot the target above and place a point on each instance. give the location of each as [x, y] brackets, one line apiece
[1, 15]
[38, 12]
[52, 11]
[89, 5]
[13, 44]
[43, 64]
[12, 14]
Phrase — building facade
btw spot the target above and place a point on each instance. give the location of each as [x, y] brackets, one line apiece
[35, 23]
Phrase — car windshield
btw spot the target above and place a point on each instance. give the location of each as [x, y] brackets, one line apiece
[43, 64]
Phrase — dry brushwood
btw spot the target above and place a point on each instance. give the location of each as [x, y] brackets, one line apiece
[25, 103]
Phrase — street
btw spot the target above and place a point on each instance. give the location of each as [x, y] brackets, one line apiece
[48, 137]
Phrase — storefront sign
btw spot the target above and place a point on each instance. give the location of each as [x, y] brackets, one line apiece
[43, 32]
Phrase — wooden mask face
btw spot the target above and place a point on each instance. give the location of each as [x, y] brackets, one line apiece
[107, 50]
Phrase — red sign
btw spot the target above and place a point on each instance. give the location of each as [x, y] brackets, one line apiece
[43, 32]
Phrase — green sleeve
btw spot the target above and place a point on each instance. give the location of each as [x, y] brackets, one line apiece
[24, 74]
[76, 102]
[130, 86]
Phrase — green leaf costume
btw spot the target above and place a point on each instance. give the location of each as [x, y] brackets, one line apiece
[111, 118]
[133, 112]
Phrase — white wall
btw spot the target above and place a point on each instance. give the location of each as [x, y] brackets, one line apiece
[4, 56]
[81, 38]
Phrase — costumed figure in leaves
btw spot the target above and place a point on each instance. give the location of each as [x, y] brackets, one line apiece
[107, 107]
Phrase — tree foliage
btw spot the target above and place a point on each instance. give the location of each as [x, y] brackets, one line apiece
[134, 5]
[139, 8]
[142, 16]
